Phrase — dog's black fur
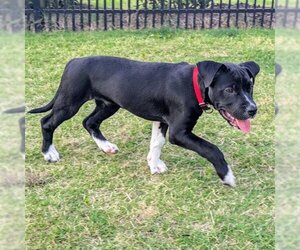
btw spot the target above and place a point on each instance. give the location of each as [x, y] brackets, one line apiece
[154, 91]
[21, 125]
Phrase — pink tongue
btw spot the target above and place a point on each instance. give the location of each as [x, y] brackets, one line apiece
[244, 125]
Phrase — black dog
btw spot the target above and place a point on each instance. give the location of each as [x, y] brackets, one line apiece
[160, 92]
[21, 125]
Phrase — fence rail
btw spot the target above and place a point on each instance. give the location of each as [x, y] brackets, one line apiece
[77, 15]
[11, 15]
[42, 15]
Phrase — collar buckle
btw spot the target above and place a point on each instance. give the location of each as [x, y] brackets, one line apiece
[206, 108]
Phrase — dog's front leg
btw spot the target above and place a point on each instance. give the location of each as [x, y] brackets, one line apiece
[159, 131]
[211, 152]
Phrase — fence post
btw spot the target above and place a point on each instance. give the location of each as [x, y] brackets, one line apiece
[38, 16]
[16, 15]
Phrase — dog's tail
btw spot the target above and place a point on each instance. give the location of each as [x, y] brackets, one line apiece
[43, 109]
[49, 106]
[15, 110]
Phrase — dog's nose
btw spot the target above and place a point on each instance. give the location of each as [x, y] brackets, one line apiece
[252, 111]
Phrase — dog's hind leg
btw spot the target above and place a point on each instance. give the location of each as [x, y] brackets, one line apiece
[103, 110]
[60, 113]
[158, 136]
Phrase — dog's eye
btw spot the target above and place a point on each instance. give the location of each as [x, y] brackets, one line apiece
[248, 88]
[229, 90]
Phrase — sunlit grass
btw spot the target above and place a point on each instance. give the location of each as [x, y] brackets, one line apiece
[11, 165]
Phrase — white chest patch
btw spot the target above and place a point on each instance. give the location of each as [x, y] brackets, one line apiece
[156, 165]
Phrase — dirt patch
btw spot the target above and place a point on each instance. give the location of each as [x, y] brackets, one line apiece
[34, 179]
[11, 179]
[146, 212]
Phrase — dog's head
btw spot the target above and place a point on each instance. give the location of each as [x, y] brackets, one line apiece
[229, 88]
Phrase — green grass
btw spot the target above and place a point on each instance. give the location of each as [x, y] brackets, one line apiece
[287, 140]
[89, 200]
[11, 165]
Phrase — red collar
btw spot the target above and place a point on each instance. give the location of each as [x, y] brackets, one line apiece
[197, 90]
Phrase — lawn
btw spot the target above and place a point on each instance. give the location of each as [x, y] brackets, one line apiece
[89, 200]
[287, 140]
[11, 164]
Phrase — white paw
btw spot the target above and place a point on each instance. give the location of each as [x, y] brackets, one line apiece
[106, 146]
[162, 166]
[229, 178]
[51, 155]
[109, 148]
[23, 156]
[159, 168]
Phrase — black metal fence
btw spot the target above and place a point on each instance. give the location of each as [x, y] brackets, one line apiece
[48, 15]
[11, 15]
[76, 15]
[287, 14]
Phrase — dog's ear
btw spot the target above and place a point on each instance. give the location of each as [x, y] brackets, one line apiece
[251, 67]
[207, 71]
